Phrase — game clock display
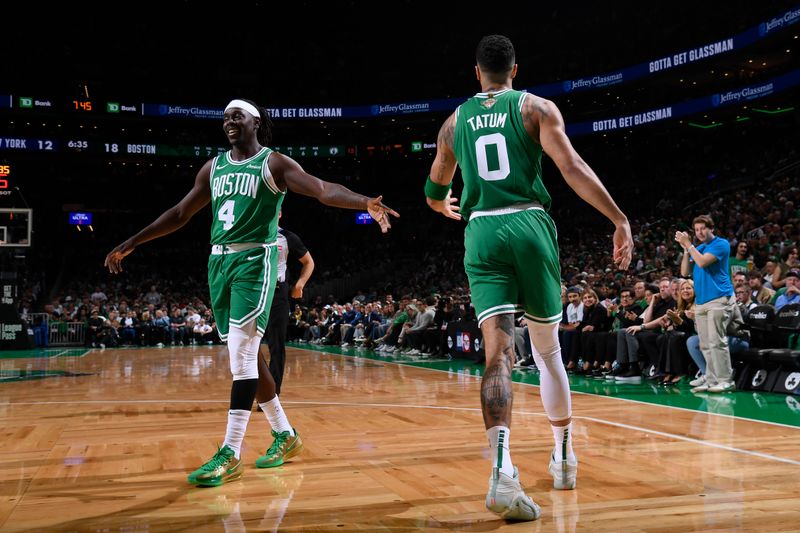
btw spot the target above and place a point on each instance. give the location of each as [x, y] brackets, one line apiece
[82, 105]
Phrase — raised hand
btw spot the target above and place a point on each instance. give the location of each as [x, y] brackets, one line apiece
[682, 238]
[380, 213]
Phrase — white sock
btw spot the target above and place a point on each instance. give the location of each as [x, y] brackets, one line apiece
[499, 437]
[563, 443]
[276, 417]
[237, 425]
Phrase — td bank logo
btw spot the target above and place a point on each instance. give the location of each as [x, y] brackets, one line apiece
[416, 146]
[112, 107]
[25, 101]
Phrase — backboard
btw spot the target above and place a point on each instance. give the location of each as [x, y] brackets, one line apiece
[16, 227]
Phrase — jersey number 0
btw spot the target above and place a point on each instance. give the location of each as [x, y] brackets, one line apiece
[496, 144]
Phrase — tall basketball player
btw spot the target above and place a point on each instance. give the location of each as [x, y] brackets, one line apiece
[246, 187]
[497, 138]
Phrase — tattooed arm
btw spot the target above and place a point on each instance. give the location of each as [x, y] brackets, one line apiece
[545, 126]
[444, 168]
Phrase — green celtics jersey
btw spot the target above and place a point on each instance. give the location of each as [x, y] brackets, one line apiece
[244, 200]
[500, 165]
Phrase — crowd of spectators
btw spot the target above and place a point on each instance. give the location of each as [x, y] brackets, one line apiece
[385, 282]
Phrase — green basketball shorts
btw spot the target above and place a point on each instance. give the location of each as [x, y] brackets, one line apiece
[242, 285]
[512, 265]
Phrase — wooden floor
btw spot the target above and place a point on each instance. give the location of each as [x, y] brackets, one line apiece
[388, 447]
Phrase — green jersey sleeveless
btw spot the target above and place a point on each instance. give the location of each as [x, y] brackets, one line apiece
[500, 165]
[245, 200]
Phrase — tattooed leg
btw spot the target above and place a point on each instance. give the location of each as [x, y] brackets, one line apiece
[496, 393]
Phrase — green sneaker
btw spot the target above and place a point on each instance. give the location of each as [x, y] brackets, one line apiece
[284, 447]
[224, 466]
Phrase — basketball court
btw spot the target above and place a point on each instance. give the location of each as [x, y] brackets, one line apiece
[103, 440]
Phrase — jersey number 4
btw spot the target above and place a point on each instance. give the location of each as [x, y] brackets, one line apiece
[225, 214]
[493, 145]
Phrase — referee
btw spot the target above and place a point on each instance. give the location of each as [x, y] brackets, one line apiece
[289, 245]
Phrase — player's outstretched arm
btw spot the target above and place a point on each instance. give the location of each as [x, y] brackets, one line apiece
[171, 220]
[578, 175]
[437, 188]
[288, 174]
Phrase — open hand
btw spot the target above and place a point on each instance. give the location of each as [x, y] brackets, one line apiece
[623, 246]
[682, 238]
[380, 213]
[448, 207]
[114, 258]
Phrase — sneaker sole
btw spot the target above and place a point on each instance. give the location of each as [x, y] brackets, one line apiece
[217, 481]
[515, 510]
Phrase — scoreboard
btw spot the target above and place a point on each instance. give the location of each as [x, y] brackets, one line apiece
[115, 148]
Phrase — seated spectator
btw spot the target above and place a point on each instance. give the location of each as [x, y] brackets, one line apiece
[792, 294]
[626, 345]
[758, 292]
[568, 328]
[128, 328]
[679, 323]
[743, 299]
[789, 261]
[177, 328]
[94, 328]
[585, 345]
[203, 333]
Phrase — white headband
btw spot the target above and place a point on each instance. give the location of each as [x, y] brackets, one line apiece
[241, 104]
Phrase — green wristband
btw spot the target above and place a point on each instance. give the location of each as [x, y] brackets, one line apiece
[434, 191]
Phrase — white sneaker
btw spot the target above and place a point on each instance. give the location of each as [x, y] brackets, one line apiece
[700, 388]
[564, 473]
[723, 386]
[699, 381]
[507, 499]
